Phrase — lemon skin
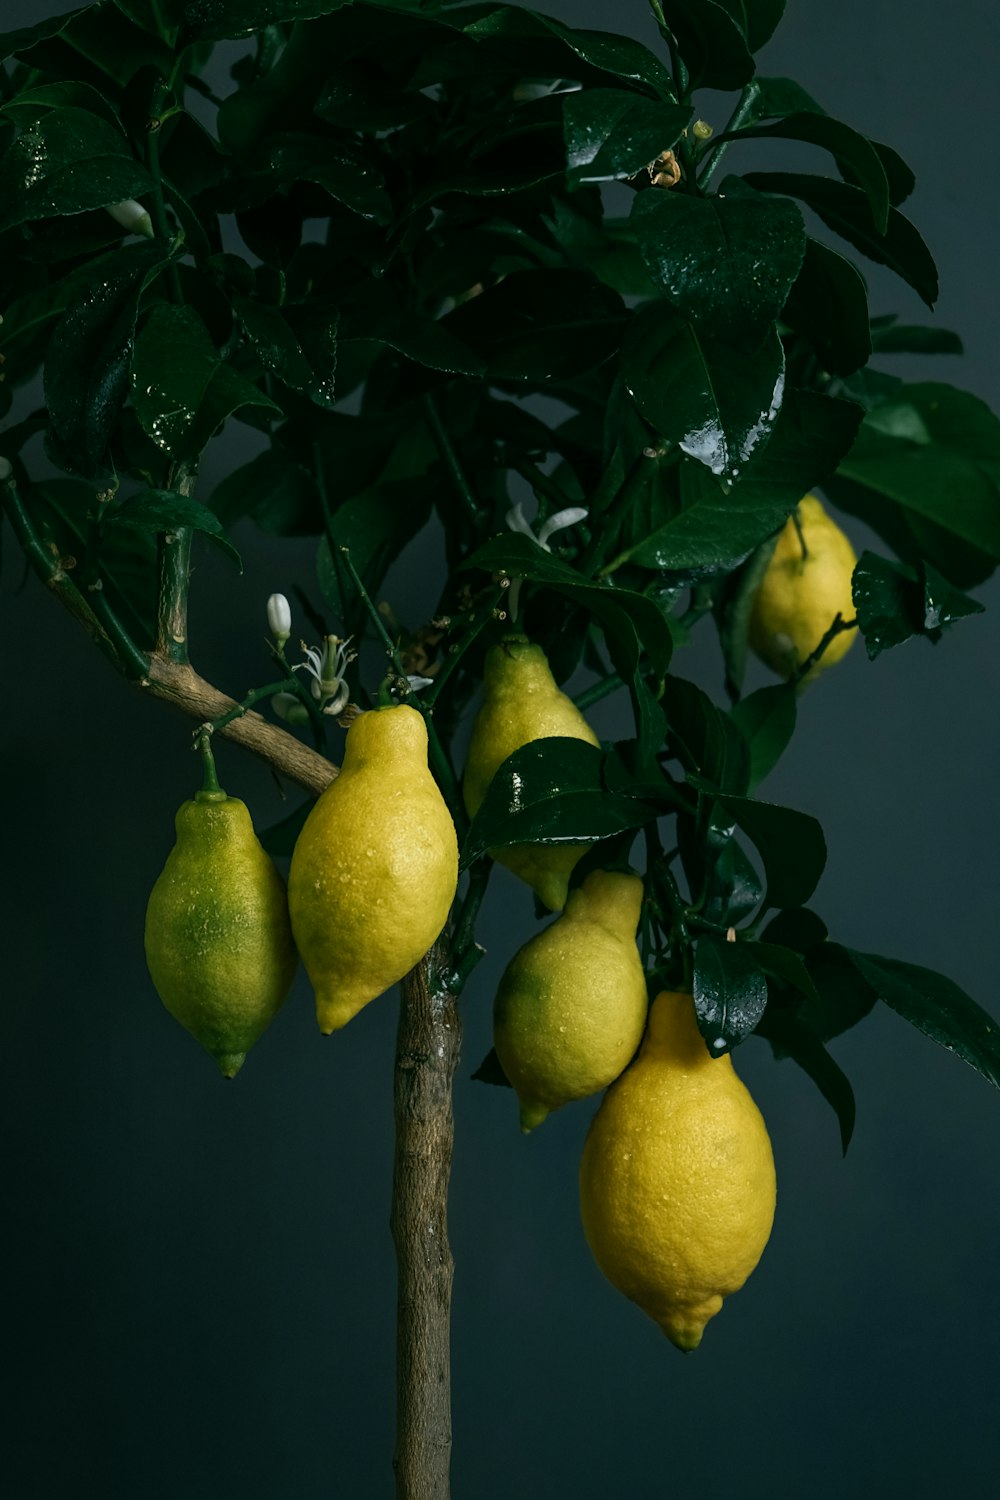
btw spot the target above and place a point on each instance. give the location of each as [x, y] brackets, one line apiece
[571, 1006]
[521, 703]
[802, 593]
[677, 1186]
[375, 868]
[218, 940]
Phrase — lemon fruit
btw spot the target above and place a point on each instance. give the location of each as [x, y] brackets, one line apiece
[218, 940]
[807, 584]
[521, 703]
[571, 1006]
[375, 868]
[677, 1178]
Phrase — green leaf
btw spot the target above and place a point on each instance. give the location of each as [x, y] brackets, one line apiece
[706, 741]
[843, 997]
[182, 389]
[784, 964]
[708, 256]
[767, 720]
[279, 840]
[792, 1037]
[900, 338]
[23, 39]
[376, 524]
[163, 510]
[65, 161]
[280, 351]
[798, 928]
[510, 31]
[791, 845]
[219, 20]
[718, 405]
[954, 481]
[851, 149]
[712, 41]
[771, 97]
[550, 792]
[337, 166]
[762, 18]
[540, 325]
[611, 134]
[828, 305]
[86, 372]
[893, 603]
[490, 1070]
[29, 103]
[275, 491]
[730, 993]
[937, 1007]
[844, 209]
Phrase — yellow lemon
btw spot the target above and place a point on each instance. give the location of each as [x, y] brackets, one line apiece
[374, 870]
[218, 941]
[571, 1006]
[677, 1183]
[521, 703]
[807, 584]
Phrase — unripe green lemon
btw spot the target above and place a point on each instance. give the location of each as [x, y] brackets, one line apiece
[677, 1185]
[218, 941]
[521, 703]
[571, 1006]
[375, 868]
[807, 584]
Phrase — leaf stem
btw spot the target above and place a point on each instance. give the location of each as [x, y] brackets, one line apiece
[608, 521]
[744, 108]
[837, 628]
[159, 209]
[478, 619]
[450, 457]
[597, 691]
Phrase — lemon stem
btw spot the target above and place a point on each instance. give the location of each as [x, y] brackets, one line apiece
[450, 458]
[837, 628]
[211, 791]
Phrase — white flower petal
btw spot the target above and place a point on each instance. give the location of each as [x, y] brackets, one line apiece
[516, 521]
[419, 682]
[560, 521]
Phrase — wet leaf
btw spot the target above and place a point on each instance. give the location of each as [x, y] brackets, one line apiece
[611, 134]
[64, 161]
[163, 510]
[767, 720]
[730, 993]
[894, 602]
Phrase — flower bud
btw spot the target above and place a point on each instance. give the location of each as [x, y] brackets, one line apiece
[279, 618]
[702, 130]
[288, 707]
[131, 216]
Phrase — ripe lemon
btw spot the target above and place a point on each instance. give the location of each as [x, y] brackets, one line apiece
[677, 1179]
[802, 592]
[218, 941]
[374, 870]
[521, 703]
[571, 1007]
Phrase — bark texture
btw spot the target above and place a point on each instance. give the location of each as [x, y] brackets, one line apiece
[427, 1050]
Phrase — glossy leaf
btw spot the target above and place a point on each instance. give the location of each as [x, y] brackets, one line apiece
[338, 167]
[218, 20]
[712, 41]
[182, 389]
[762, 18]
[828, 305]
[86, 372]
[767, 721]
[163, 510]
[730, 993]
[893, 603]
[376, 524]
[65, 161]
[706, 741]
[540, 325]
[769, 98]
[798, 928]
[844, 209]
[491, 1071]
[790, 1036]
[937, 1007]
[791, 845]
[611, 134]
[276, 491]
[901, 338]
[550, 792]
[785, 965]
[727, 262]
[847, 145]
[25, 37]
[280, 351]
[953, 481]
[843, 997]
[717, 405]
[605, 52]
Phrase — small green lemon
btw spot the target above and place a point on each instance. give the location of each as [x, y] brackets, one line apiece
[521, 703]
[218, 941]
[677, 1185]
[375, 868]
[807, 584]
[571, 1006]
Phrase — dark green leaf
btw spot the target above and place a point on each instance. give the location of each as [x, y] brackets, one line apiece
[338, 167]
[899, 338]
[762, 17]
[784, 964]
[25, 37]
[734, 610]
[828, 305]
[29, 103]
[279, 839]
[767, 719]
[376, 524]
[611, 134]
[280, 351]
[844, 209]
[770, 97]
[937, 1007]
[86, 373]
[726, 263]
[706, 741]
[511, 31]
[550, 792]
[276, 491]
[717, 405]
[65, 161]
[217, 20]
[163, 510]
[843, 997]
[712, 41]
[798, 928]
[540, 325]
[182, 389]
[490, 1070]
[730, 993]
[851, 150]
[792, 1037]
[893, 603]
[791, 845]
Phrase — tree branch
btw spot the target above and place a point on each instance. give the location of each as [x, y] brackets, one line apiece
[427, 1049]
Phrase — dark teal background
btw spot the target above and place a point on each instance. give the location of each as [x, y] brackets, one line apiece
[198, 1285]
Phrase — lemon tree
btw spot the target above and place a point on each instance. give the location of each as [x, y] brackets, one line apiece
[385, 245]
